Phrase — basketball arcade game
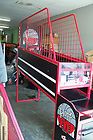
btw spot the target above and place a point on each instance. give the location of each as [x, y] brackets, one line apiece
[51, 56]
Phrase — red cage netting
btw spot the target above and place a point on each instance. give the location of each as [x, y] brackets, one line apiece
[35, 34]
[69, 41]
[58, 39]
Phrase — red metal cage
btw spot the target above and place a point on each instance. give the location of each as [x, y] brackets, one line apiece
[58, 39]
[69, 41]
[35, 34]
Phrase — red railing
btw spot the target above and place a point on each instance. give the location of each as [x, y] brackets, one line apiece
[14, 132]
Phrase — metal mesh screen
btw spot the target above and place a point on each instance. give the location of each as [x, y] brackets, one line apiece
[59, 39]
[69, 41]
[36, 34]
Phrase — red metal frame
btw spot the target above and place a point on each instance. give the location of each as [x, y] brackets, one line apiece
[40, 21]
[92, 77]
[11, 115]
[69, 42]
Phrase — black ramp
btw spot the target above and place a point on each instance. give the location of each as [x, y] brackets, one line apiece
[42, 72]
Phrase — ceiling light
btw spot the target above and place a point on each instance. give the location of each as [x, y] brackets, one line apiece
[4, 19]
[3, 26]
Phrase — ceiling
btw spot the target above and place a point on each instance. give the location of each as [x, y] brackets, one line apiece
[17, 10]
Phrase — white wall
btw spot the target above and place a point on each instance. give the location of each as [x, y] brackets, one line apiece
[85, 22]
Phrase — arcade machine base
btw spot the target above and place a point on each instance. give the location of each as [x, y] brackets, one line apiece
[74, 116]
